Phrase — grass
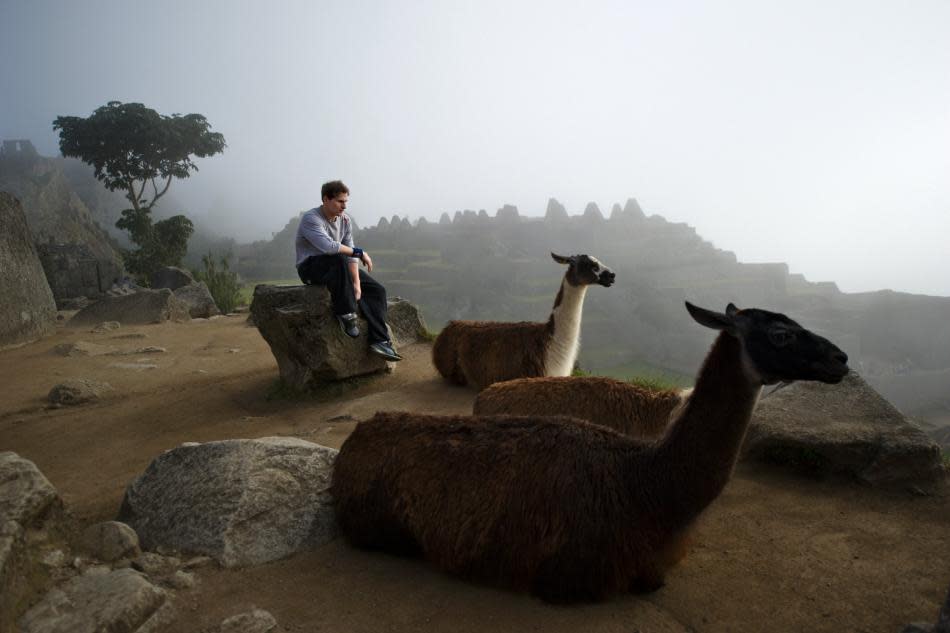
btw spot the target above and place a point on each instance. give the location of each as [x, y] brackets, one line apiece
[651, 381]
[428, 335]
[648, 376]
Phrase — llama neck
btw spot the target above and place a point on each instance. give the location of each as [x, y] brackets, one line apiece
[699, 453]
[566, 321]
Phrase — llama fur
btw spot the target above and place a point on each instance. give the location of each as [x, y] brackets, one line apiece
[480, 353]
[630, 409]
[563, 508]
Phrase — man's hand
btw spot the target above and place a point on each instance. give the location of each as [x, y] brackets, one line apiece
[357, 291]
[367, 261]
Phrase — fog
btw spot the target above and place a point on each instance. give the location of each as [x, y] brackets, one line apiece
[815, 133]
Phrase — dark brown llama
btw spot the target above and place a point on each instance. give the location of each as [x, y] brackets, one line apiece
[567, 509]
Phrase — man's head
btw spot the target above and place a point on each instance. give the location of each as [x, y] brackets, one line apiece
[335, 196]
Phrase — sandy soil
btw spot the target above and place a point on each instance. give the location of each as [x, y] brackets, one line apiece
[775, 553]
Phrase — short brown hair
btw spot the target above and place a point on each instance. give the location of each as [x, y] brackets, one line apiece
[333, 188]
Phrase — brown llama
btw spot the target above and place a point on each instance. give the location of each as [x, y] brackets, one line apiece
[482, 352]
[560, 507]
[631, 409]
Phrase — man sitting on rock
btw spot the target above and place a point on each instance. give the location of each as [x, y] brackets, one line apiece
[326, 257]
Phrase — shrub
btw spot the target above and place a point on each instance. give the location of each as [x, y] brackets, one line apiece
[222, 282]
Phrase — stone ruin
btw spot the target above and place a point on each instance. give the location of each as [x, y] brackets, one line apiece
[19, 151]
[73, 271]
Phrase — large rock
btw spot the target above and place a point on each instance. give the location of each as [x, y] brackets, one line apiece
[406, 322]
[845, 428]
[29, 505]
[77, 391]
[198, 298]
[120, 601]
[140, 308]
[171, 277]
[27, 311]
[305, 337]
[243, 502]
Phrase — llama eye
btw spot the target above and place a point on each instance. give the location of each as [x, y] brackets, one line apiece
[781, 338]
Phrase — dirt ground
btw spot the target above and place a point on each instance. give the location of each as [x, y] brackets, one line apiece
[776, 552]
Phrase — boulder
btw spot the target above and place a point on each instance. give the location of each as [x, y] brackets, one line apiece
[305, 337]
[28, 505]
[120, 601]
[106, 326]
[78, 391]
[242, 502]
[198, 298]
[143, 307]
[171, 277]
[405, 321]
[28, 311]
[846, 428]
[109, 541]
[253, 621]
[82, 348]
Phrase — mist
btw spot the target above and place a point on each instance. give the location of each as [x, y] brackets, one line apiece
[813, 133]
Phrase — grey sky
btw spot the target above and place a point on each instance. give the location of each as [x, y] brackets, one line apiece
[811, 132]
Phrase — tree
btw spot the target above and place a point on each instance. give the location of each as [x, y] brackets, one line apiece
[130, 147]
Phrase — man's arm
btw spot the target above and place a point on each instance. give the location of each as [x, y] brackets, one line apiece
[355, 275]
[347, 248]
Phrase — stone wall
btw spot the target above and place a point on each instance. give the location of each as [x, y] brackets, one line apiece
[27, 310]
[73, 271]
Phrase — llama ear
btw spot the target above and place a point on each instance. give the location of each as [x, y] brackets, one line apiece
[714, 320]
[732, 310]
[561, 259]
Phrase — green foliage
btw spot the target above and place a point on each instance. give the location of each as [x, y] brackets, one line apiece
[222, 282]
[162, 243]
[128, 143]
[649, 376]
[131, 146]
[653, 382]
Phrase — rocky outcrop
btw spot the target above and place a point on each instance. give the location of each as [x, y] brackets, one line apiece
[171, 277]
[53, 209]
[198, 299]
[253, 621]
[31, 516]
[109, 541]
[139, 308]
[77, 391]
[242, 502]
[305, 337]
[101, 599]
[406, 322]
[846, 428]
[27, 311]
[75, 274]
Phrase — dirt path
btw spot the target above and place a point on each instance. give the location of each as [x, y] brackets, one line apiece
[774, 553]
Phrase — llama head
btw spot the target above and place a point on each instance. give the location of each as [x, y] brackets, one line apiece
[777, 349]
[584, 270]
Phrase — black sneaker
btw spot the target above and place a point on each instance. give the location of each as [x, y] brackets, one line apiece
[350, 324]
[385, 349]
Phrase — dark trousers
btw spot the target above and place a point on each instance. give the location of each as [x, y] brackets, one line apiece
[333, 271]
